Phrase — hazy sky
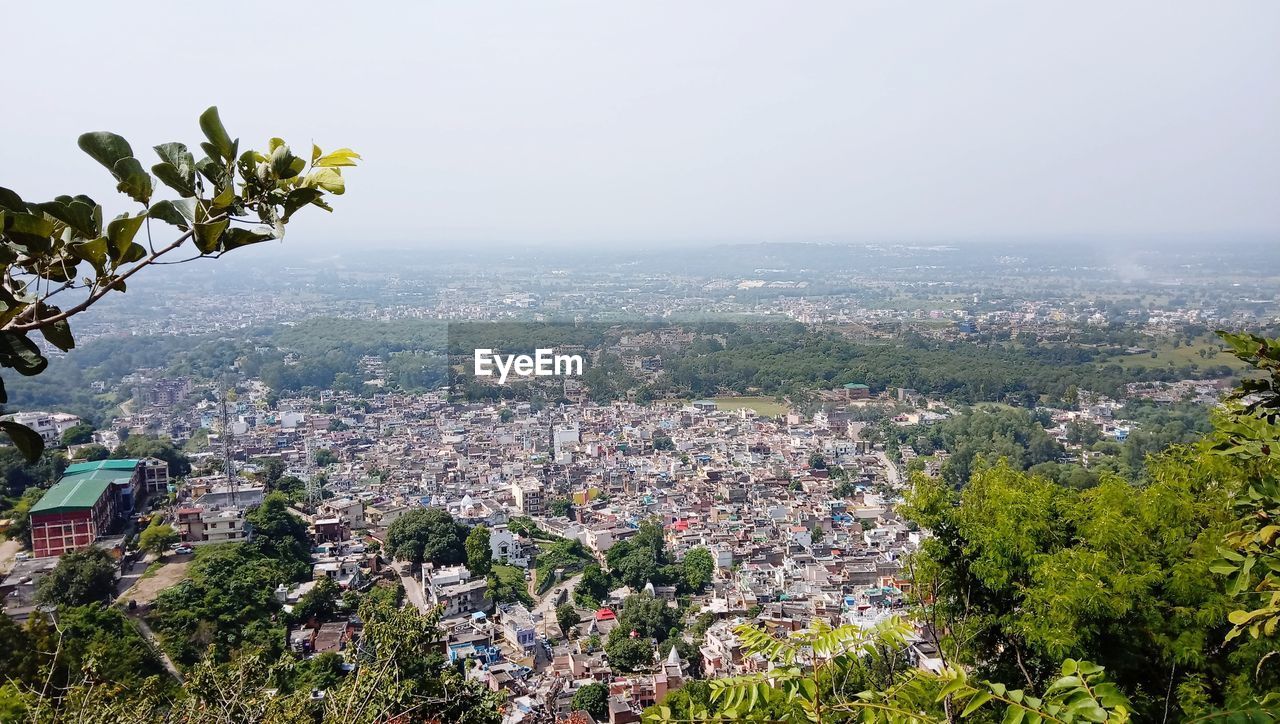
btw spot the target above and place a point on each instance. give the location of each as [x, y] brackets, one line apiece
[685, 122]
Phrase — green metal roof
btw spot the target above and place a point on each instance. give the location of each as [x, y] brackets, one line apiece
[856, 386]
[128, 464]
[70, 495]
[83, 484]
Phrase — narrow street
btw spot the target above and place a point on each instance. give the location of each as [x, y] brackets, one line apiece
[890, 471]
[130, 575]
[546, 605]
[412, 589]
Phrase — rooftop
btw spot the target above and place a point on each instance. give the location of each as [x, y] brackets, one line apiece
[83, 484]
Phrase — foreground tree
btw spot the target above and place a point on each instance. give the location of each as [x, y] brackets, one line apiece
[815, 675]
[1251, 550]
[66, 248]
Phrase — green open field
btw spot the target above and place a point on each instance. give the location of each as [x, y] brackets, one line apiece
[765, 406]
[1181, 355]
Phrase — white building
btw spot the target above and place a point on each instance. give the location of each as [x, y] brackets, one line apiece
[49, 425]
[506, 548]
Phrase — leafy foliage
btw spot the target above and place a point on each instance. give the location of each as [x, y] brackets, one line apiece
[427, 535]
[698, 568]
[479, 554]
[507, 585]
[81, 577]
[567, 617]
[592, 698]
[157, 537]
[809, 674]
[1250, 555]
[67, 245]
[154, 446]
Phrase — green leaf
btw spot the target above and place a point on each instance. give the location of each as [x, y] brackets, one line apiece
[58, 333]
[28, 441]
[120, 233]
[213, 129]
[340, 157]
[135, 252]
[29, 230]
[237, 237]
[284, 164]
[207, 234]
[19, 352]
[75, 214]
[177, 213]
[1242, 617]
[216, 173]
[298, 198]
[105, 147]
[134, 181]
[177, 168]
[94, 252]
[328, 179]
[11, 201]
[975, 703]
[170, 176]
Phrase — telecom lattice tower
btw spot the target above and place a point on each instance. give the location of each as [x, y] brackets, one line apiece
[228, 467]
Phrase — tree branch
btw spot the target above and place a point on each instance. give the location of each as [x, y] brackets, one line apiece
[15, 326]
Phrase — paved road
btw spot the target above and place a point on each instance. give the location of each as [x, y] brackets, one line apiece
[891, 471]
[546, 606]
[413, 589]
[130, 576]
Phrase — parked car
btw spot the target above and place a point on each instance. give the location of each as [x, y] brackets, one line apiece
[184, 550]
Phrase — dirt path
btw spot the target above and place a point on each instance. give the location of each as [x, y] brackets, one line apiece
[154, 641]
[144, 590]
[8, 549]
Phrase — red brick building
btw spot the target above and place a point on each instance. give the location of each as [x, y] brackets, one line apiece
[81, 507]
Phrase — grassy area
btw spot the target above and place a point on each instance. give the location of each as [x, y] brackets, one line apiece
[506, 583]
[765, 406]
[1181, 355]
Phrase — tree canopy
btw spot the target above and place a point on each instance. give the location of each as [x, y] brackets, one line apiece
[81, 577]
[427, 535]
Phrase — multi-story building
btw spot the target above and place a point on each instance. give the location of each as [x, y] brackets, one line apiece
[504, 547]
[49, 425]
[517, 627]
[219, 524]
[81, 507]
[528, 496]
[155, 475]
[454, 589]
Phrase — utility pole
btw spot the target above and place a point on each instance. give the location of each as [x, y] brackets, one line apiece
[228, 466]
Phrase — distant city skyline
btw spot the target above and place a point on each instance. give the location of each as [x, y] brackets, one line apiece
[575, 124]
